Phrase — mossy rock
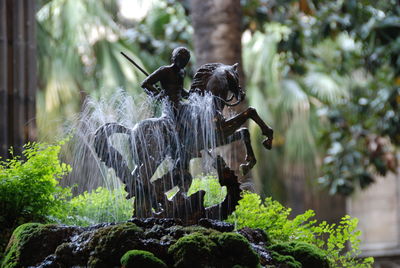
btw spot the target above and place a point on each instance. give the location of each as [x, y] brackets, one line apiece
[141, 258]
[194, 250]
[199, 229]
[109, 244]
[287, 260]
[30, 243]
[236, 250]
[94, 262]
[214, 250]
[299, 254]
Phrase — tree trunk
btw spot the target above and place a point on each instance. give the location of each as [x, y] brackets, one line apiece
[217, 38]
[217, 31]
[17, 74]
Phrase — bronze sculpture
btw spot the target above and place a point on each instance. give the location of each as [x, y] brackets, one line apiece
[170, 77]
[171, 135]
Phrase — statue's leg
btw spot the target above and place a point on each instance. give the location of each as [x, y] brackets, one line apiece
[145, 191]
[107, 153]
[243, 134]
[111, 156]
[230, 125]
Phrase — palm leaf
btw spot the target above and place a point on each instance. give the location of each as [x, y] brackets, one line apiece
[79, 44]
[324, 87]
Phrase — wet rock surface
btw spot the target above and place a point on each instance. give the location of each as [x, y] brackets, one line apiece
[216, 225]
[211, 243]
[258, 240]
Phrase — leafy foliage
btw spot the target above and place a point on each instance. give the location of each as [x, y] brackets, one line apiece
[30, 192]
[337, 63]
[215, 194]
[100, 205]
[363, 131]
[29, 189]
[79, 48]
[273, 218]
[286, 104]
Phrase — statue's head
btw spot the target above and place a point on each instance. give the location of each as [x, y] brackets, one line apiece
[180, 56]
[232, 75]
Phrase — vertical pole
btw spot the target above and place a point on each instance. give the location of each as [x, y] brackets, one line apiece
[30, 71]
[3, 81]
[10, 72]
[19, 75]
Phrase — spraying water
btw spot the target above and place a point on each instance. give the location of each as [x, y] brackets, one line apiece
[157, 149]
[152, 154]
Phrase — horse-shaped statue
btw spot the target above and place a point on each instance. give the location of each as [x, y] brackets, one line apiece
[153, 140]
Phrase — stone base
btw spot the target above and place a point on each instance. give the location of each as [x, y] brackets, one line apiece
[164, 240]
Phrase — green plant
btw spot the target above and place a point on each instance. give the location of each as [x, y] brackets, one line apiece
[100, 205]
[329, 86]
[29, 189]
[215, 194]
[273, 218]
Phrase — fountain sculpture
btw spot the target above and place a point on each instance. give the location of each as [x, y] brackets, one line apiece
[191, 125]
[168, 231]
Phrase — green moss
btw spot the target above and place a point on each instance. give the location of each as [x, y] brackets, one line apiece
[111, 242]
[236, 250]
[21, 250]
[194, 250]
[289, 261]
[199, 229]
[94, 262]
[30, 243]
[19, 237]
[295, 253]
[213, 250]
[141, 258]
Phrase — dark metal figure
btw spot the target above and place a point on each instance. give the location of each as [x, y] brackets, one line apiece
[216, 79]
[170, 77]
